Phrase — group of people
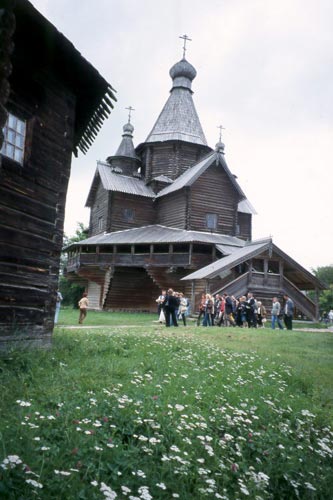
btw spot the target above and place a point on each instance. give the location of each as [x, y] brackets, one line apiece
[225, 310]
[171, 307]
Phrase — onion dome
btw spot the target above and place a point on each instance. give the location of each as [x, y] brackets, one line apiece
[219, 147]
[182, 74]
[126, 147]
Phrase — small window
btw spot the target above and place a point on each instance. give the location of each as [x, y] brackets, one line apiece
[128, 214]
[14, 137]
[211, 221]
[100, 223]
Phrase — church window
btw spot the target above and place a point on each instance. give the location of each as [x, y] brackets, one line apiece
[128, 214]
[211, 221]
[100, 223]
[14, 137]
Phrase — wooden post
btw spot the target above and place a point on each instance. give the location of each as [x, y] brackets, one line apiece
[281, 271]
[265, 271]
[317, 304]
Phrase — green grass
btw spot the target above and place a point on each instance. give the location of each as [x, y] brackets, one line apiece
[189, 413]
[70, 316]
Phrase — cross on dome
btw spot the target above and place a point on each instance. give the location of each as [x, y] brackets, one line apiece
[221, 128]
[185, 38]
[130, 109]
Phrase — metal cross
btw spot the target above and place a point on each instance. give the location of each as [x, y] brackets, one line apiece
[221, 128]
[185, 38]
[129, 113]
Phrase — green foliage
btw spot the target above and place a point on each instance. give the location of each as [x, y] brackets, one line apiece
[325, 274]
[81, 233]
[188, 413]
[71, 292]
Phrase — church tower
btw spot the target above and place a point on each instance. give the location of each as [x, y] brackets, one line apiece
[177, 140]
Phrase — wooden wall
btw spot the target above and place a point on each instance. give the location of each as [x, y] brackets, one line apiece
[171, 158]
[213, 192]
[244, 222]
[32, 204]
[172, 210]
[144, 211]
[99, 211]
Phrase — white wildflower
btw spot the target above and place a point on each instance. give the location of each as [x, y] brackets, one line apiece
[34, 483]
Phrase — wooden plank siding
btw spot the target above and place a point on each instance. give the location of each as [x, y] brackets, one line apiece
[171, 158]
[32, 201]
[213, 193]
[143, 209]
[172, 210]
[244, 222]
[99, 209]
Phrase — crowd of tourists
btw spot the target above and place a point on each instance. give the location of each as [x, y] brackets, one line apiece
[224, 310]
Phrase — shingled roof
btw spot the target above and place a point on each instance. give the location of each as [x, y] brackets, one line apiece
[159, 234]
[39, 45]
[113, 181]
[178, 119]
[304, 278]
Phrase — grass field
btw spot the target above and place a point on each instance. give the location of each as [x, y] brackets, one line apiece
[133, 410]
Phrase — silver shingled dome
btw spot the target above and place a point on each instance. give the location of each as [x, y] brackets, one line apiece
[183, 69]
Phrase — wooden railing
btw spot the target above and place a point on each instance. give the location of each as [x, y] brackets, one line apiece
[238, 287]
[127, 259]
[302, 302]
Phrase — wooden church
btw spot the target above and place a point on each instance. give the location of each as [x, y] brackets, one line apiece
[165, 211]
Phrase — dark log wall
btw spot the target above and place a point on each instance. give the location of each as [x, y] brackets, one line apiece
[213, 193]
[171, 210]
[99, 211]
[171, 158]
[244, 222]
[32, 203]
[131, 289]
[143, 209]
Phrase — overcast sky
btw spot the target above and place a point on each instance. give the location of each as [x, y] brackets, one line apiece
[265, 72]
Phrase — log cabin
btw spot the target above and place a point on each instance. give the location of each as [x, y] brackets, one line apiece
[53, 103]
[168, 213]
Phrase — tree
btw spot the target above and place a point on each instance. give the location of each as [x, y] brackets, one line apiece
[325, 274]
[71, 291]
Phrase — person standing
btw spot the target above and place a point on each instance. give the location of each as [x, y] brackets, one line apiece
[288, 312]
[276, 310]
[202, 308]
[171, 304]
[330, 317]
[209, 310]
[251, 311]
[183, 308]
[160, 301]
[261, 314]
[58, 305]
[229, 308]
[83, 306]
